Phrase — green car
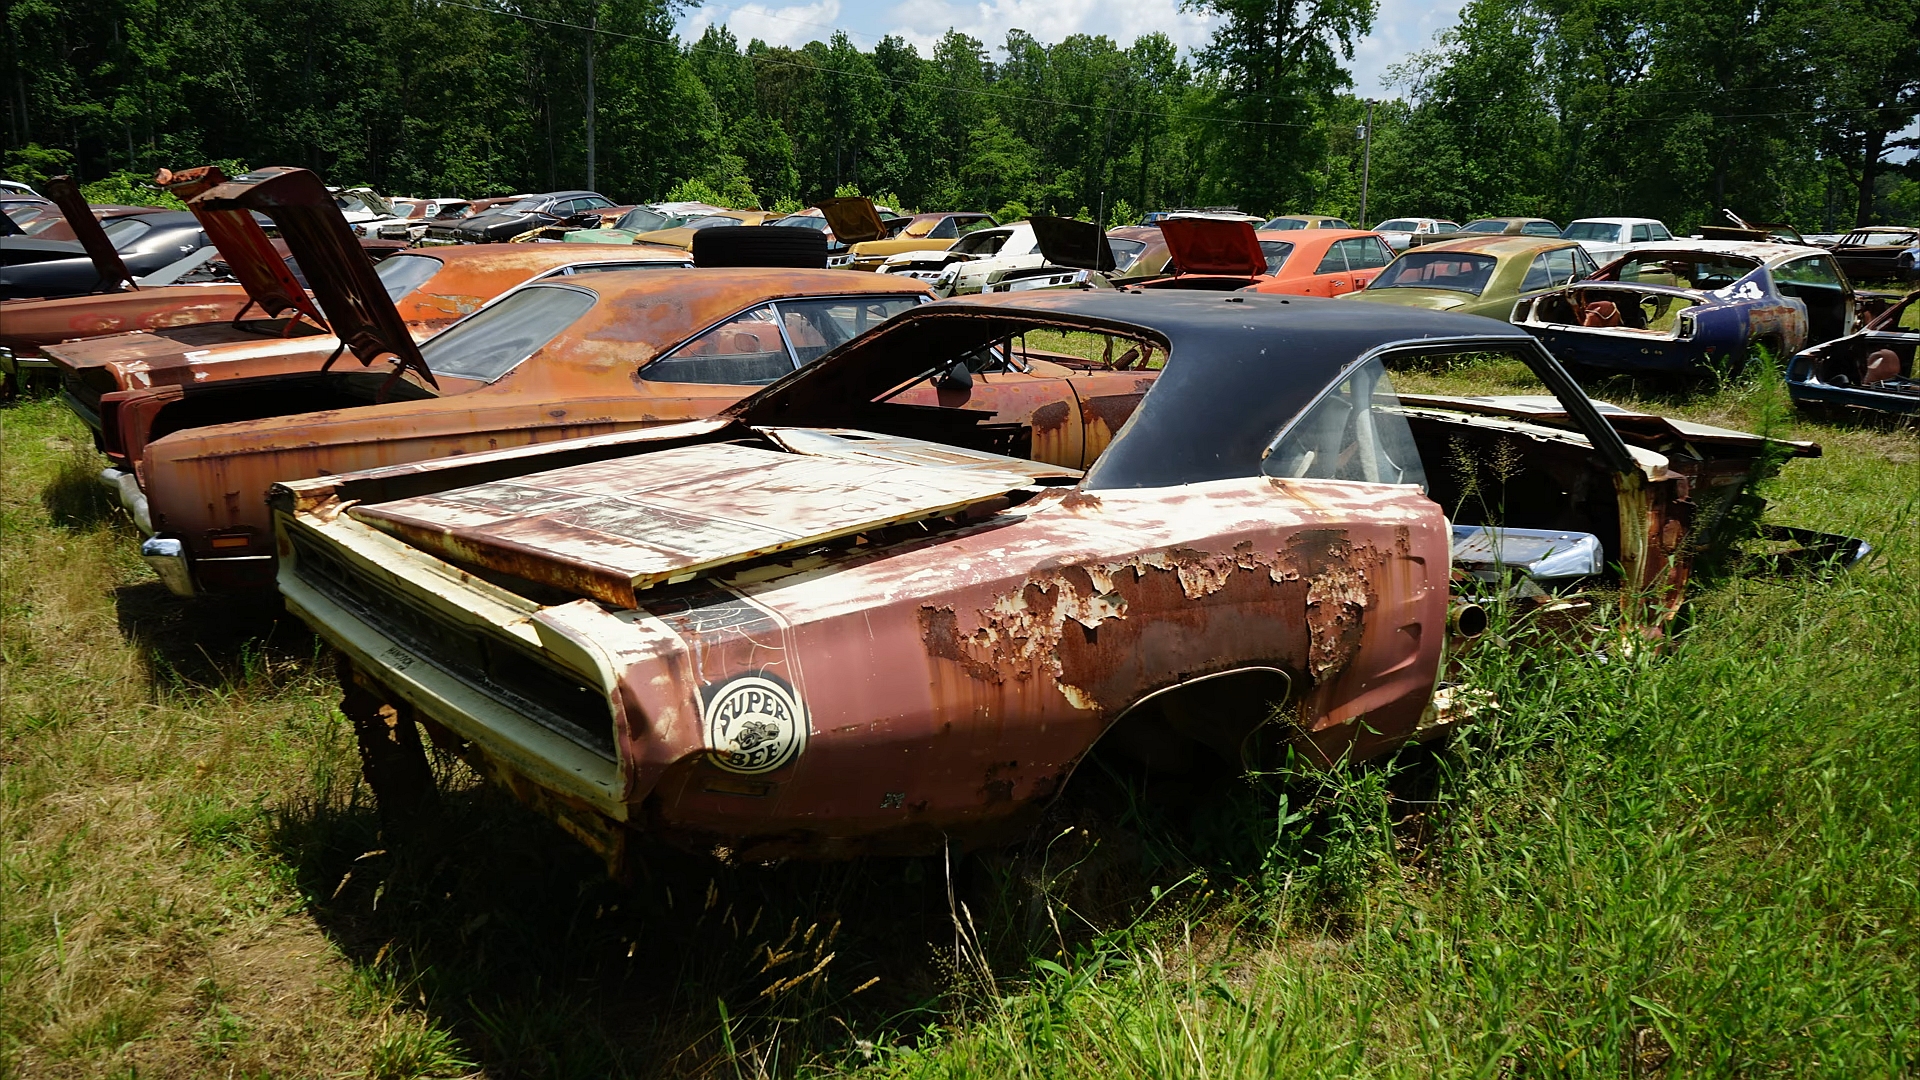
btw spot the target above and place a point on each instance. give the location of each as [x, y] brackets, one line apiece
[640, 219]
[1478, 275]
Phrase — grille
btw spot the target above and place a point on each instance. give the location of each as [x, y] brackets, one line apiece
[557, 700]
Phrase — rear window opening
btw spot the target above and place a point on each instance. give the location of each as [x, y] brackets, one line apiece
[1455, 271]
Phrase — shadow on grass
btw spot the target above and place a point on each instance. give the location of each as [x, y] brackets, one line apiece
[215, 642]
[76, 499]
[509, 934]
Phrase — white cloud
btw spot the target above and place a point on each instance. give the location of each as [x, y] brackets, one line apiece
[1402, 27]
[792, 25]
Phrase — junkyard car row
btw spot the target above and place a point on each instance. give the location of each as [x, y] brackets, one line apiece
[856, 531]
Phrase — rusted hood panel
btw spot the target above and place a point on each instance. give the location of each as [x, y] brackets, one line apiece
[86, 228]
[608, 529]
[243, 244]
[29, 326]
[342, 278]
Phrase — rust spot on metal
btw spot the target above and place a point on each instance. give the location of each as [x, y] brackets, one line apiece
[1112, 410]
[1050, 418]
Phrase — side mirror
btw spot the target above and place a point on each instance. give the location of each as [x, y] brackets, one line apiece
[957, 377]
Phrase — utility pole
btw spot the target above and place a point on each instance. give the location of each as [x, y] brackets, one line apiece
[1366, 161]
[593, 27]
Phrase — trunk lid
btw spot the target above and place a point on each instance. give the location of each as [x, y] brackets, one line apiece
[609, 529]
[1214, 246]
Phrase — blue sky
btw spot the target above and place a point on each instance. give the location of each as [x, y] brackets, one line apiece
[1403, 26]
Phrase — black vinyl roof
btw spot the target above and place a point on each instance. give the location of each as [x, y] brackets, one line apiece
[1239, 366]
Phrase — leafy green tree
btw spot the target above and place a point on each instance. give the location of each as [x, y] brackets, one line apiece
[1275, 63]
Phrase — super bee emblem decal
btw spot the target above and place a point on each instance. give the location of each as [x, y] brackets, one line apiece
[754, 724]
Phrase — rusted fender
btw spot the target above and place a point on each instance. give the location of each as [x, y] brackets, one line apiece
[944, 687]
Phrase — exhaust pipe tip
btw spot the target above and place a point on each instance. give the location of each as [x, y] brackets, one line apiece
[1466, 620]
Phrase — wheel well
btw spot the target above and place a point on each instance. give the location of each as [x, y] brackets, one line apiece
[1229, 721]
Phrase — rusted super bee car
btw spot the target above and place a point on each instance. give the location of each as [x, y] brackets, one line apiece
[830, 622]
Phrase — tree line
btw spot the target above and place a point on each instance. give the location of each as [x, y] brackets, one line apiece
[1796, 110]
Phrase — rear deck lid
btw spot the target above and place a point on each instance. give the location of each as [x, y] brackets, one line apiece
[608, 529]
[1543, 408]
[1214, 246]
[243, 244]
[339, 273]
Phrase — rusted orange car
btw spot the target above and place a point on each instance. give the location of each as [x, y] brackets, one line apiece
[568, 355]
[427, 290]
[27, 327]
[832, 622]
[563, 357]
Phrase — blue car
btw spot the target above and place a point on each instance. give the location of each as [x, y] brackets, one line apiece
[1872, 369]
[1692, 305]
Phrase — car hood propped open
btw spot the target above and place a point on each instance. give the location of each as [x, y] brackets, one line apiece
[114, 275]
[243, 244]
[1075, 243]
[342, 279]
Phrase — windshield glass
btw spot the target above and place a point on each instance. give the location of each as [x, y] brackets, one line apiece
[1687, 269]
[1397, 225]
[712, 222]
[524, 206]
[641, 219]
[1592, 230]
[1281, 224]
[126, 231]
[1125, 251]
[987, 243]
[1486, 227]
[1276, 252]
[402, 274]
[802, 221]
[1455, 271]
[495, 340]
[357, 202]
[921, 226]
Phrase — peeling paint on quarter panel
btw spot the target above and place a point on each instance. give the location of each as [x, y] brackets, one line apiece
[1046, 627]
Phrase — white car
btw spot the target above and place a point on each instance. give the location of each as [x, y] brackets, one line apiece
[366, 211]
[1608, 238]
[1399, 232]
[975, 261]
